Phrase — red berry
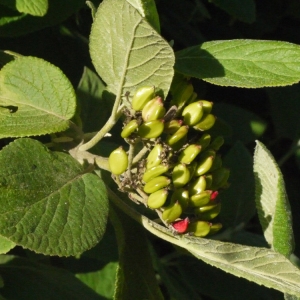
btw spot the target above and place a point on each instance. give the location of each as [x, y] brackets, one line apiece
[181, 225]
[214, 195]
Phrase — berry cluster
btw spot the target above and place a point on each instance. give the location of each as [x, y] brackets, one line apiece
[182, 173]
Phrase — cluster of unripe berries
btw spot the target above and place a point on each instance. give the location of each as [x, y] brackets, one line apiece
[182, 173]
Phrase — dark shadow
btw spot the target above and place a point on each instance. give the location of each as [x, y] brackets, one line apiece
[198, 63]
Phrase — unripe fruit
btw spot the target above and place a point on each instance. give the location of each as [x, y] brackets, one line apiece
[172, 126]
[172, 212]
[197, 186]
[153, 110]
[217, 143]
[199, 228]
[182, 94]
[200, 199]
[208, 179]
[208, 212]
[151, 129]
[129, 128]
[118, 161]
[192, 98]
[157, 199]
[205, 162]
[182, 196]
[141, 97]
[204, 141]
[219, 178]
[217, 163]
[179, 144]
[207, 122]
[207, 106]
[154, 172]
[155, 156]
[180, 175]
[177, 136]
[214, 228]
[156, 184]
[192, 113]
[192, 168]
[189, 153]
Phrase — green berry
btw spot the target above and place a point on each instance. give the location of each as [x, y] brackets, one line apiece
[214, 228]
[217, 163]
[208, 212]
[151, 129]
[207, 122]
[205, 162]
[157, 199]
[199, 228]
[154, 172]
[172, 126]
[177, 136]
[118, 161]
[217, 143]
[153, 110]
[197, 186]
[219, 178]
[182, 94]
[207, 106]
[156, 184]
[182, 196]
[204, 141]
[155, 156]
[180, 175]
[193, 113]
[189, 153]
[172, 212]
[200, 199]
[129, 128]
[141, 97]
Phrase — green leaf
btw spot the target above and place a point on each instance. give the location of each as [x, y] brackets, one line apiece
[243, 10]
[5, 245]
[102, 281]
[271, 202]
[95, 109]
[127, 52]
[238, 205]
[135, 276]
[242, 63]
[49, 203]
[285, 110]
[217, 284]
[260, 265]
[25, 279]
[31, 7]
[35, 98]
[13, 23]
[147, 10]
[5, 57]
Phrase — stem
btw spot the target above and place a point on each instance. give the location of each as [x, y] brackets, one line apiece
[102, 162]
[115, 115]
[295, 146]
[140, 155]
[154, 228]
[130, 158]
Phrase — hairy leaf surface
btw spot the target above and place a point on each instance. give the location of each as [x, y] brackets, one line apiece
[49, 203]
[242, 63]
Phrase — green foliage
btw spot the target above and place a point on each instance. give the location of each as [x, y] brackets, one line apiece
[66, 84]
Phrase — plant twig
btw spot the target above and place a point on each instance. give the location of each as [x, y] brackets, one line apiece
[115, 115]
